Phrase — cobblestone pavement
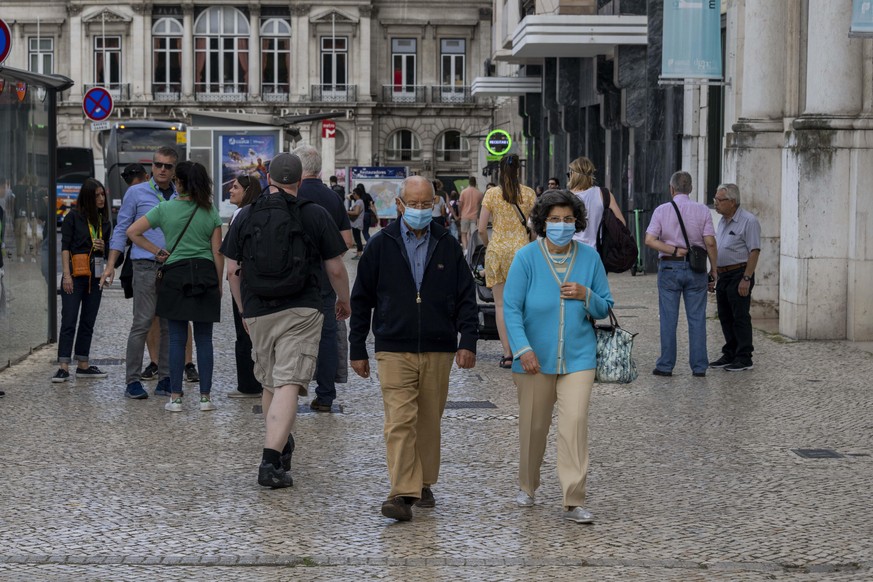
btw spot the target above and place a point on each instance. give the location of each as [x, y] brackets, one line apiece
[691, 478]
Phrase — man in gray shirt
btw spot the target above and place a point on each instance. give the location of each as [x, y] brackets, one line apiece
[738, 237]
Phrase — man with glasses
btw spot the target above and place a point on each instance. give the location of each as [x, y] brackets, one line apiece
[739, 244]
[138, 200]
[414, 283]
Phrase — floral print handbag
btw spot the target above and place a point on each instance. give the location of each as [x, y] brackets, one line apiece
[615, 362]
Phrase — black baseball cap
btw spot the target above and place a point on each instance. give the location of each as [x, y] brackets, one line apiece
[132, 170]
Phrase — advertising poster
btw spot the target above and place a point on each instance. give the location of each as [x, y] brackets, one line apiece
[67, 194]
[244, 154]
[862, 19]
[383, 184]
[692, 40]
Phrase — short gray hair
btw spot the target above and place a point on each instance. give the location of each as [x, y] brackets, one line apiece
[310, 158]
[422, 178]
[681, 182]
[731, 191]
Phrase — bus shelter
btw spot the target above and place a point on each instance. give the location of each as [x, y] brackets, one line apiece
[28, 267]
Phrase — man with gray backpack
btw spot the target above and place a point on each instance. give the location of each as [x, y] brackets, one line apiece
[275, 250]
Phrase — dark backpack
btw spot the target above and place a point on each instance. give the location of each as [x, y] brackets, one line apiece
[277, 254]
[616, 246]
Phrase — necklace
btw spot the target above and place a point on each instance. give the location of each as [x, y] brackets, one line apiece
[559, 261]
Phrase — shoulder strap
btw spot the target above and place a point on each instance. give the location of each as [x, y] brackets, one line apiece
[604, 197]
[681, 224]
[190, 218]
[522, 218]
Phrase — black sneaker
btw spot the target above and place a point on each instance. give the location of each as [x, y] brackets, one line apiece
[150, 372]
[286, 457]
[191, 374]
[427, 498]
[273, 477]
[90, 372]
[721, 362]
[397, 508]
[658, 372]
[2, 394]
[738, 366]
[60, 376]
[319, 406]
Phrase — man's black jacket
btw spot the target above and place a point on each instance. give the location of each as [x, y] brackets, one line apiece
[385, 290]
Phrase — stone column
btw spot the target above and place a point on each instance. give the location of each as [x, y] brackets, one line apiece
[834, 80]
[149, 52]
[138, 55]
[365, 64]
[763, 59]
[187, 52]
[254, 52]
[78, 51]
[300, 74]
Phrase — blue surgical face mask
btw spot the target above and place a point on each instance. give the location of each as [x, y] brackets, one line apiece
[561, 233]
[417, 219]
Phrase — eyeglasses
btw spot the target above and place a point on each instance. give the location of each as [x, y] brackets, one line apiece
[560, 219]
[717, 199]
[163, 166]
[418, 205]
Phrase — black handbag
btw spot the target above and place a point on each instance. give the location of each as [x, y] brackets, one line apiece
[696, 256]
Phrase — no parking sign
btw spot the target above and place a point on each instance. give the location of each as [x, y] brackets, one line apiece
[5, 41]
[97, 104]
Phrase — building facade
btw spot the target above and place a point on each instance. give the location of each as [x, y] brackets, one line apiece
[791, 125]
[399, 73]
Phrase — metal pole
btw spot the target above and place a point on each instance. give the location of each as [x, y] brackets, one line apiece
[333, 51]
[103, 42]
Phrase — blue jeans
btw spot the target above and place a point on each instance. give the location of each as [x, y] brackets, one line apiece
[203, 342]
[89, 302]
[328, 353]
[676, 279]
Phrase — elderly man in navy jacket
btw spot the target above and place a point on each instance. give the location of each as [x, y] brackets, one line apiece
[414, 283]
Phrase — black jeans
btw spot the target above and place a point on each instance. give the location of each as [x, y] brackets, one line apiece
[356, 234]
[733, 314]
[245, 367]
[89, 302]
[328, 353]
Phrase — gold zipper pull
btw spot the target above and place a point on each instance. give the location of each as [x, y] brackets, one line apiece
[418, 297]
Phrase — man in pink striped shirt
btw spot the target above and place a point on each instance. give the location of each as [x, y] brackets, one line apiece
[675, 277]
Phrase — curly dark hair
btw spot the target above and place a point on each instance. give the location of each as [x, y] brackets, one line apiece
[553, 198]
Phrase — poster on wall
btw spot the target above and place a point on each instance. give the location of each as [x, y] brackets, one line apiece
[383, 184]
[862, 19]
[692, 40]
[243, 154]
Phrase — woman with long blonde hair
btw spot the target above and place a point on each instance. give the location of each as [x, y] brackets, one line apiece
[583, 184]
[510, 205]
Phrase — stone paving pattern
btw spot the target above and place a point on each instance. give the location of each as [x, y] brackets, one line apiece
[690, 479]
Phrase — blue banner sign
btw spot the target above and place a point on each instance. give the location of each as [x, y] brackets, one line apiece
[862, 18]
[692, 40]
[372, 172]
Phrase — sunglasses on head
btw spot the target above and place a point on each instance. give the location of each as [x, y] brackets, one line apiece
[161, 165]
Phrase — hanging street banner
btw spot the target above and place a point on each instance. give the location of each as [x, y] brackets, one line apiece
[5, 41]
[692, 40]
[862, 19]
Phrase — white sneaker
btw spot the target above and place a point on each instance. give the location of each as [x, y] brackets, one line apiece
[174, 405]
[524, 500]
[579, 515]
[206, 404]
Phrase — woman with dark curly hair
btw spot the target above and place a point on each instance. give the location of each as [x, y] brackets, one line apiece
[190, 287]
[553, 286]
[84, 233]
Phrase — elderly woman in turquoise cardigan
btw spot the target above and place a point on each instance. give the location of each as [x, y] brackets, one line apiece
[553, 286]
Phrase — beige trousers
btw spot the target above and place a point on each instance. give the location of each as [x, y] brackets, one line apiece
[414, 392]
[537, 394]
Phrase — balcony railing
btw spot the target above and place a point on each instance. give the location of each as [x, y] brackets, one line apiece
[275, 92]
[451, 94]
[119, 91]
[452, 155]
[404, 94]
[166, 91]
[216, 92]
[335, 93]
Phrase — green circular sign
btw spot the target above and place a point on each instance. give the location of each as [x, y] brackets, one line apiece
[498, 142]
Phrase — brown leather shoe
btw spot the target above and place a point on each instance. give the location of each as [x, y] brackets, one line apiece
[427, 499]
[397, 508]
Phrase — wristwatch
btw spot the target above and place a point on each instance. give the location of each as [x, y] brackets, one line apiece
[747, 278]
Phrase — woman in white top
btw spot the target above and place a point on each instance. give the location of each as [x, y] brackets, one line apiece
[581, 183]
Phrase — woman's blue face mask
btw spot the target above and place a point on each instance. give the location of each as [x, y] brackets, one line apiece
[560, 233]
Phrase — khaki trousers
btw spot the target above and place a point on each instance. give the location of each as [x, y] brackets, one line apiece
[537, 394]
[414, 392]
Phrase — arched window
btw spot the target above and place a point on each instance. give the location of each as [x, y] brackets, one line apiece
[403, 145]
[275, 59]
[452, 147]
[221, 53]
[167, 61]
